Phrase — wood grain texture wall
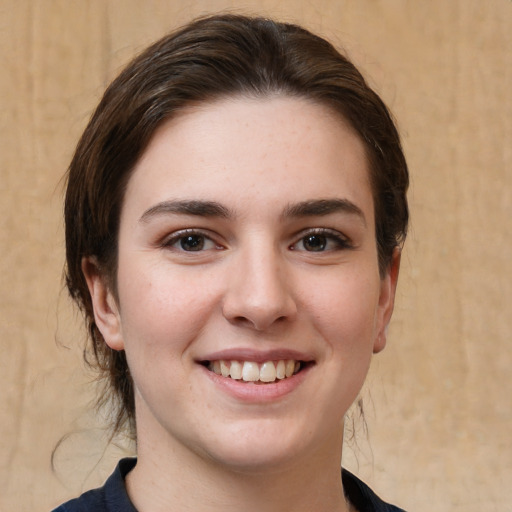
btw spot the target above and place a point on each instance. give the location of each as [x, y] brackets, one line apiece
[439, 399]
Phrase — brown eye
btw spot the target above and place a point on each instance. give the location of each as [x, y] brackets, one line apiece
[314, 243]
[192, 243]
[322, 240]
[190, 240]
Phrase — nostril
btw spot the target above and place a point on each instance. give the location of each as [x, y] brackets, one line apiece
[257, 304]
[240, 320]
[258, 322]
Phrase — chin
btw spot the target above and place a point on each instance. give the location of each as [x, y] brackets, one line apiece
[252, 461]
[258, 448]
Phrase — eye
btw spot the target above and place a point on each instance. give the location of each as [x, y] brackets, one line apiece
[322, 240]
[190, 241]
[314, 242]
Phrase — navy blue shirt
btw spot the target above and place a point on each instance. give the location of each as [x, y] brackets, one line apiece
[112, 497]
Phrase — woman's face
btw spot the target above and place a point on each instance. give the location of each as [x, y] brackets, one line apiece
[249, 296]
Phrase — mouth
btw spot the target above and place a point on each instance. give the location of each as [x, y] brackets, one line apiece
[254, 372]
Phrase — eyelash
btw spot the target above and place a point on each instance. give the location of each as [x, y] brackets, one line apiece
[340, 241]
[180, 236]
[324, 235]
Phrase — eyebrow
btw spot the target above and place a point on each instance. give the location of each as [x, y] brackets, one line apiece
[200, 208]
[320, 207]
[187, 207]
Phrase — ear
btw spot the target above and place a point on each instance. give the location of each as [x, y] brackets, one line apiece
[386, 301]
[106, 310]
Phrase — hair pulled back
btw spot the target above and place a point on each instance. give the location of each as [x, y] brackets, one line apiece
[210, 58]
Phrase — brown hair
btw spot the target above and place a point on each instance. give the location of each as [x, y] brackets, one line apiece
[208, 59]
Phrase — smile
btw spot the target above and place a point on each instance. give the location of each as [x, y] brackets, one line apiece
[251, 371]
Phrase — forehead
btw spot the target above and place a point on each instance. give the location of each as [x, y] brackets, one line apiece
[252, 149]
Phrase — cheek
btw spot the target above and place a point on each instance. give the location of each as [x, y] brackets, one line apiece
[161, 309]
[344, 310]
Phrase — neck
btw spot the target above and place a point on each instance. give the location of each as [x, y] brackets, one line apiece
[169, 477]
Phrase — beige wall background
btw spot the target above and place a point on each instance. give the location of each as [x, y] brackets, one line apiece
[439, 399]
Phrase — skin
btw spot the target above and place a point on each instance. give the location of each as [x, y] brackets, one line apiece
[251, 168]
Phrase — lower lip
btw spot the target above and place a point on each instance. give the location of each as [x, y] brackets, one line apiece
[258, 393]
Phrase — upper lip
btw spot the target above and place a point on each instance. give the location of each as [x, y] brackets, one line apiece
[257, 356]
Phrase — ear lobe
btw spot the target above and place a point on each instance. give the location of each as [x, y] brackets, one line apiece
[386, 301]
[106, 311]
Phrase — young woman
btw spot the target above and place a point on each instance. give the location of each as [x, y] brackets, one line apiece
[235, 212]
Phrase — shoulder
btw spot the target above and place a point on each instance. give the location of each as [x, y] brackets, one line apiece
[87, 502]
[112, 497]
[362, 497]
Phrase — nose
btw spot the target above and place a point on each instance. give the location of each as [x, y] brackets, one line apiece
[258, 292]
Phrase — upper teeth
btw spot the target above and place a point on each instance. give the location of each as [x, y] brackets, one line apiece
[250, 371]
